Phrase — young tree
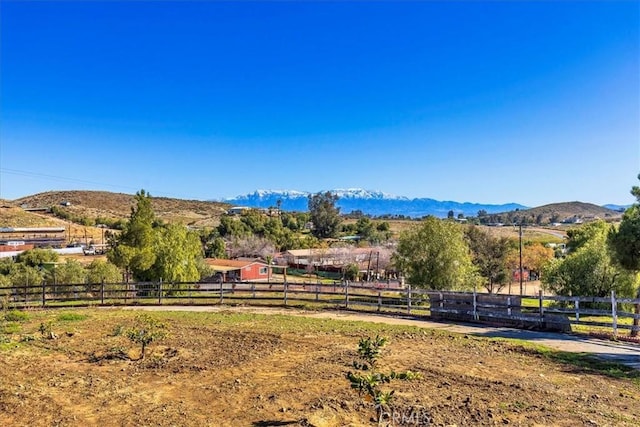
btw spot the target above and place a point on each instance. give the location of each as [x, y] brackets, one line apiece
[146, 330]
[435, 255]
[490, 255]
[325, 216]
[133, 249]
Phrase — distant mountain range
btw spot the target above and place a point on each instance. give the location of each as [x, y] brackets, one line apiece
[369, 202]
[617, 208]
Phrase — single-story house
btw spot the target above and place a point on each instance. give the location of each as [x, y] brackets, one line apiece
[237, 270]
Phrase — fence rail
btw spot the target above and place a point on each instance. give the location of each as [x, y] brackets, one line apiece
[545, 312]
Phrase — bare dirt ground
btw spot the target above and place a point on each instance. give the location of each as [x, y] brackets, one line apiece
[248, 369]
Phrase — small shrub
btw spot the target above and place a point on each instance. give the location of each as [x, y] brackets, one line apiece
[16, 316]
[368, 381]
[145, 331]
[46, 330]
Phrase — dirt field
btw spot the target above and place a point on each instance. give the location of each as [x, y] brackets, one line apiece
[236, 369]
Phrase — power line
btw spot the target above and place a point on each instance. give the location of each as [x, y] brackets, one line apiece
[31, 174]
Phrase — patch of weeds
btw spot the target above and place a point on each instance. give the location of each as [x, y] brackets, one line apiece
[27, 338]
[16, 316]
[520, 405]
[117, 331]
[71, 317]
[11, 328]
[46, 330]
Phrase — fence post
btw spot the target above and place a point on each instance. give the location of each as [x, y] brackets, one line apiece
[541, 301]
[379, 299]
[160, 292]
[221, 289]
[43, 295]
[286, 288]
[409, 299]
[508, 306]
[475, 303]
[253, 290]
[317, 292]
[614, 314]
[102, 292]
[346, 294]
[576, 306]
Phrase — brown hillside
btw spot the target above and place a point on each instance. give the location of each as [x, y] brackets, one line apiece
[574, 209]
[93, 204]
[559, 212]
[13, 216]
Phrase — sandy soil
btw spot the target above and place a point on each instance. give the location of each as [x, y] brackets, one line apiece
[248, 369]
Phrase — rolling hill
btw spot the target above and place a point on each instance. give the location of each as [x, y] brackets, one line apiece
[560, 212]
[94, 204]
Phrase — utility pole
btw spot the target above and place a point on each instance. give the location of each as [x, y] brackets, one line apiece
[520, 239]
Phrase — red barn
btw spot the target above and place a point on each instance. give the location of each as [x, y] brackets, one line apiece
[231, 269]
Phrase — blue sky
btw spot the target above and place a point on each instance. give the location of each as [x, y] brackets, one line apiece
[528, 102]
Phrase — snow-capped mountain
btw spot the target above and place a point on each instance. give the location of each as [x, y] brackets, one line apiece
[369, 202]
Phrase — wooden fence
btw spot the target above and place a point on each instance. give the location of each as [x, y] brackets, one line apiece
[542, 312]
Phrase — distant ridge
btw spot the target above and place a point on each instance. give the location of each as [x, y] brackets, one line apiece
[369, 202]
[560, 212]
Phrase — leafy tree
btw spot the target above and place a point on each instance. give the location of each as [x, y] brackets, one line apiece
[625, 244]
[325, 216]
[626, 241]
[216, 248]
[450, 214]
[102, 271]
[70, 272]
[435, 255]
[579, 236]
[177, 254]
[588, 270]
[37, 257]
[25, 275]
[231, 227]
[535, 256]
[133, 249]
[365, 228]
[490, 255]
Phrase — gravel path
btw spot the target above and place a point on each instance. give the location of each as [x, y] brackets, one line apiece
[625, 353]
